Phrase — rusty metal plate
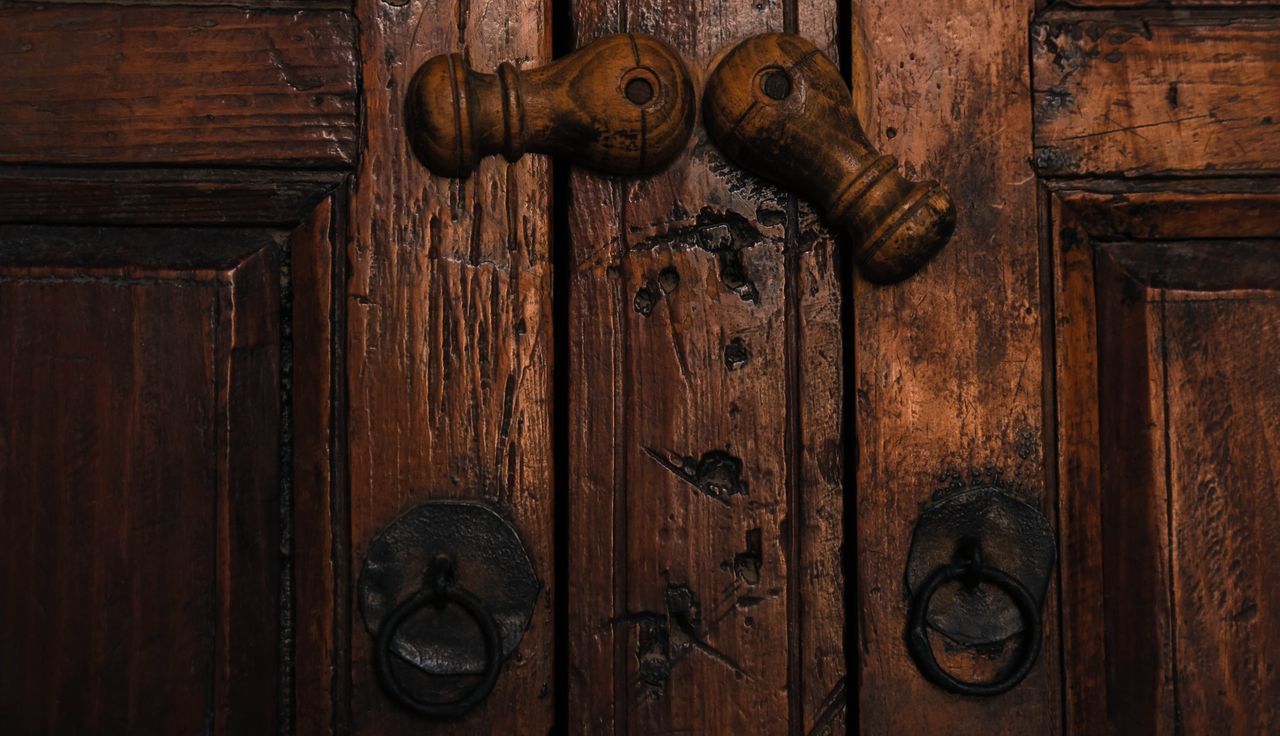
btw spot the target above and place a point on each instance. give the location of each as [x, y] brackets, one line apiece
[489, 561]
[1015, 538]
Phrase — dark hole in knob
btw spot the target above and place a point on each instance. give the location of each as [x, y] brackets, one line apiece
[639, 90]
[776, 84]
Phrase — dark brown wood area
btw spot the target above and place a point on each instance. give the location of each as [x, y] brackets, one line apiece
[118, 84]
[242, 329]
[138, 482]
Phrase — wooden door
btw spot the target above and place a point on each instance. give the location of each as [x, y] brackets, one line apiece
[243, 330]
[171, 196]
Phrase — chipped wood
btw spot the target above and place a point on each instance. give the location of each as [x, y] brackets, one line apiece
[449, 336]
[1156, 93]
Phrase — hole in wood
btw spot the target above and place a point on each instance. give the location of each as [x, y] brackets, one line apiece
[639, 91]
[775, 84]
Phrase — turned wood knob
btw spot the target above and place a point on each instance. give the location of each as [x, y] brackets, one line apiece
[622, 105]
[777, 107]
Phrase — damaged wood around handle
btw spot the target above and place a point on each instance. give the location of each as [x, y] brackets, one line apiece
[779, 108]
[620, 105]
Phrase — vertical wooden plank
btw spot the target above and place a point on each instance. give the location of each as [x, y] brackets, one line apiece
[1080, 570]
[705, 504]
[449, 334]
[314, 660]
[246, 683]
[949, 365]
[1140, 666]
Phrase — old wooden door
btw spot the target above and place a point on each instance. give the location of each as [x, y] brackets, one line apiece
[243, 331]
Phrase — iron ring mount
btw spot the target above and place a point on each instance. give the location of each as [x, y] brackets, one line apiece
[439, 590]
[973, 572]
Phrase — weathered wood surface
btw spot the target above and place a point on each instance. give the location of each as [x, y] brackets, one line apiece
[318, 591]
[1156, 93]
[56, 195]
[449, 336]
[111, 84]
[1158, 5]
[138, 480]
[704, 409]
[948, 364]
[1124, 355]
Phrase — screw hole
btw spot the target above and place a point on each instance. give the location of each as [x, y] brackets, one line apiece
[639, 91]
[776, 84]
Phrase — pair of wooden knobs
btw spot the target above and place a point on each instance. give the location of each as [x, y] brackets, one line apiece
[624, 105]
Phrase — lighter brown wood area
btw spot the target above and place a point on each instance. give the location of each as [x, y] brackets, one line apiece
[106, 84]
[704, 328]
[448, 304]
[948, 363]
[1156, 94]
[778, 107]
[622, 104]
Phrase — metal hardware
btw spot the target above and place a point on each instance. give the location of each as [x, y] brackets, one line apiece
[972, 573]
[1001, 549]
[439, 590]
[447, 591]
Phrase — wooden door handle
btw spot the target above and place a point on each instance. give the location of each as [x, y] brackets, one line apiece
[778, 107]
[621, 105]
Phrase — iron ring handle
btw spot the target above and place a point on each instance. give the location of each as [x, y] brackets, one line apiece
[443, 595]
[918, 634]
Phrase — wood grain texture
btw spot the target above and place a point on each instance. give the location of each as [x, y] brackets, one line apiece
[1158, 5]
[55, 195]
[949, 364]
[705, 495]
[1109, 329]
[317, 662]
[108, 84]
[449, 336]
[138, 482]
[622, 104]
[779, 108]
[1156, 93]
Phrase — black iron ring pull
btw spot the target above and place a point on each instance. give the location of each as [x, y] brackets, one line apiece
[974, 572]
[437, 592]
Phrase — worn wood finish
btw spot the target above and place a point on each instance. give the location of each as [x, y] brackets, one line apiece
[949, 386]
[109, 84]
[1156, 93]
[449, 337]
[55, 195]
[316, 511]
[138, 480]
[1158, 5]
[705, 507]
[622, 104]
[778, 108]
[1114, 330]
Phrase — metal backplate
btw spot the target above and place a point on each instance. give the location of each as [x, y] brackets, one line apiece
[489, 561]
[1014, 537]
